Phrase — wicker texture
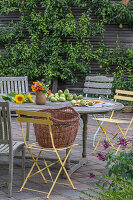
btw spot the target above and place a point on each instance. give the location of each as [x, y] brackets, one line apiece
[128, 109]
[64, 128]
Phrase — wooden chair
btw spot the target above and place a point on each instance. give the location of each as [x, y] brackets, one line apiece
[97, 85]
[8, 147]
[13, 84]
[44, 119]
[123, 96]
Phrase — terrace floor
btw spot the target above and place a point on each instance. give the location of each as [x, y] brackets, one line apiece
[79, 178]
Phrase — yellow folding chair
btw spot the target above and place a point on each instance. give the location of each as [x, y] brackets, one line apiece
[124, 96]
[35, 118]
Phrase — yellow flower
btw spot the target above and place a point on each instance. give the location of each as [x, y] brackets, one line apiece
[30, 98]
[19, 98]
[40, 84]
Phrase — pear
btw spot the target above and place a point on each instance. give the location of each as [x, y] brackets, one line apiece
[66, 92]
[62, 95]
[69, 97]
[53, 99]
[51, 95]
[62, 99]
[80, 96]
[121, 26]
[78, 102]
[60, 92]
[90, 103]
[73, 102]
[82, 102]
[75, 96]
[57, 97]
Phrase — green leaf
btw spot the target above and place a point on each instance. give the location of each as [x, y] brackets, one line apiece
[7, 98]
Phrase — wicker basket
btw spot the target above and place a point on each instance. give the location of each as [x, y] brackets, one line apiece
[128, 109]
[64, 128]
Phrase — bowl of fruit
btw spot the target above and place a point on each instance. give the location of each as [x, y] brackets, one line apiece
[87, 103]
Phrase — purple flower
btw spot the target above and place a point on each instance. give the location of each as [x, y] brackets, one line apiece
[122, 141]
[101, 156]
[106, 144]
[91, 175]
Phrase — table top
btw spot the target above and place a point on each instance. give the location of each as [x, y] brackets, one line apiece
[97, 108]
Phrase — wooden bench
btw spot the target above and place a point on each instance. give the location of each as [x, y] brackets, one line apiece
[13, 84]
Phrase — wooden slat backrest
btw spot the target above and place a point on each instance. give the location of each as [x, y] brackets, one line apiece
[99, 79]
[5, 123]
[123, 95]
[13, 84]
[98, 85]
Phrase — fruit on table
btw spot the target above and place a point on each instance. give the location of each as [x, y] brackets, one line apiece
[53, 99]
[60, 92]
[75, 96]
[57, 97]
[73, 102]
[51, 95]
[78, 102]
[82, 102]
[80, 96]
[62, 95]
[69, 97]
[90, 103]
[62, 99]
[66, 92]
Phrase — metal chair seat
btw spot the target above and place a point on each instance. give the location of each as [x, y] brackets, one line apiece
[120, 121]
[38, 147]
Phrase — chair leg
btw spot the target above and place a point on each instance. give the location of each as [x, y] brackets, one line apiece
[23, 165]
[97, 130]
[10, 176]
[35, 163]
[62, 167]
[103, 133]
[124, 136]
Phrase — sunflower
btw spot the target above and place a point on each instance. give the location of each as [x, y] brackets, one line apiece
[30, 98]
[19, 98]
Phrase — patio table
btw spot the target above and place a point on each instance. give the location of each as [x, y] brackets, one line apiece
[84, 112]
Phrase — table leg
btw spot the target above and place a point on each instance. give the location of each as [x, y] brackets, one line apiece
[84, 136]
[27, 131]
[77, 164]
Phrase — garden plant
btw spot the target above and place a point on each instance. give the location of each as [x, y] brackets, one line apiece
[49, 41]
[118, 182]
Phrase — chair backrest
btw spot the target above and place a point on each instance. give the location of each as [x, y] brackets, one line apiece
[32, 117]
[123, 95]
[98, 85]
[5, 124]
[13, 84]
